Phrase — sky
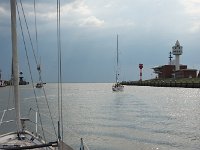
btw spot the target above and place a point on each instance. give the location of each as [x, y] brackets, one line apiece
[147, 31]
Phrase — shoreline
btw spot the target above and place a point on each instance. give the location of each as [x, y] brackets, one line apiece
[184, 83]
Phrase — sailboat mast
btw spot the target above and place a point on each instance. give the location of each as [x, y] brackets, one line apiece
[117, 71]
[15, 62]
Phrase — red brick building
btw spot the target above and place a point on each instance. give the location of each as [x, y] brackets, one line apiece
[168, 71]
[186, 73]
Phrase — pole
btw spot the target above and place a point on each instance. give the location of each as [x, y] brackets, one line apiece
[15, 63]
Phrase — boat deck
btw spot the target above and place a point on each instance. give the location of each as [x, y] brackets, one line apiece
[12, 141]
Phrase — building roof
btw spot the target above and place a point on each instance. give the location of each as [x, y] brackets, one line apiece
[187, 70]
[177, 43]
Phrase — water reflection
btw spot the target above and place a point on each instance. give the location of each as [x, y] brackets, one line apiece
[143, 118]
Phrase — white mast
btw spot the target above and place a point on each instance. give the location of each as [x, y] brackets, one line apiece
[15, 63]
[117, 71]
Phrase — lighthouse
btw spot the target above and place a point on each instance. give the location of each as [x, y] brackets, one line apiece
[177, 51]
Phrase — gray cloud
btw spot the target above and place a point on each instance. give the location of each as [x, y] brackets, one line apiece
[147, 31]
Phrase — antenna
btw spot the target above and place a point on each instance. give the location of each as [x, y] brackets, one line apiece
[170, 58]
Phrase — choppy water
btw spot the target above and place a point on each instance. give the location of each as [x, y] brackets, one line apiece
[140, 118]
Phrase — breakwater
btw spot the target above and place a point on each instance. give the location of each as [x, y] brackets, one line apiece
[162, 83]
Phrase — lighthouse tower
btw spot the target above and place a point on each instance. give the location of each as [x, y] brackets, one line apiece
[177, 51]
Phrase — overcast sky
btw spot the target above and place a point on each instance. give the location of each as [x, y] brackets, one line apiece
[147, 31]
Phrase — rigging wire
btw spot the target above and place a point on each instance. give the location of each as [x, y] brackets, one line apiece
[37, 62]
[28, 32]
[36, 33]
[58, 74]
[37, 47]
[60, 99]
[39, 71]
[30, 70]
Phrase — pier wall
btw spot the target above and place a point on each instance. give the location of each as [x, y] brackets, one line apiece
[163, 84]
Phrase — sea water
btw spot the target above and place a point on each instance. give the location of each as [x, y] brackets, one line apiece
[139, 118]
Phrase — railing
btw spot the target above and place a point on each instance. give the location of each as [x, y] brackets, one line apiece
[2, 117]
[83, 145]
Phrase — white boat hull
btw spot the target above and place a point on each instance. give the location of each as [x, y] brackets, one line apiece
[39, 85]
[117, 87]
[11, 140]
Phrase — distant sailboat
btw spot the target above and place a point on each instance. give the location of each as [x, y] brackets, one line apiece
[40, 83]
[2, 82]
[117, 86]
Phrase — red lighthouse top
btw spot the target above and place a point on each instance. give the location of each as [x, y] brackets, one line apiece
[140, 66]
